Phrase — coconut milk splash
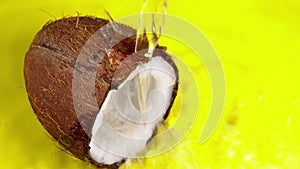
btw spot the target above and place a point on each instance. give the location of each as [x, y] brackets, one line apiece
[149, 29]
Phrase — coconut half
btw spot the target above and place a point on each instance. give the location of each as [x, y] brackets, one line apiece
[69, 78]
[129, 115]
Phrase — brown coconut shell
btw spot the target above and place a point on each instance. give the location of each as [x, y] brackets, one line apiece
[50, 65]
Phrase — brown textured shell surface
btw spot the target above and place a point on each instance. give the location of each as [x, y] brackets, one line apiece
[49, 69]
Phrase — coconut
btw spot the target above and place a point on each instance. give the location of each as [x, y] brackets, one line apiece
[130, 94]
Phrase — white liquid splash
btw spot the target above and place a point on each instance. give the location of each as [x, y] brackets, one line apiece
[154, 25]
[146, 25]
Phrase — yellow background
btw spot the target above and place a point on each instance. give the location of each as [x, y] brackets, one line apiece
[258, 44]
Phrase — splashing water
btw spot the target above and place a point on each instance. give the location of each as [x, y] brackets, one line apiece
[155, 24]
[145, 24]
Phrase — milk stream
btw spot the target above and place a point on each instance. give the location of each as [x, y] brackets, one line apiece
[154, 24]
[150, 28]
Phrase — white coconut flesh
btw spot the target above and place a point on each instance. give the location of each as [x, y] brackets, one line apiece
[130, 113]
